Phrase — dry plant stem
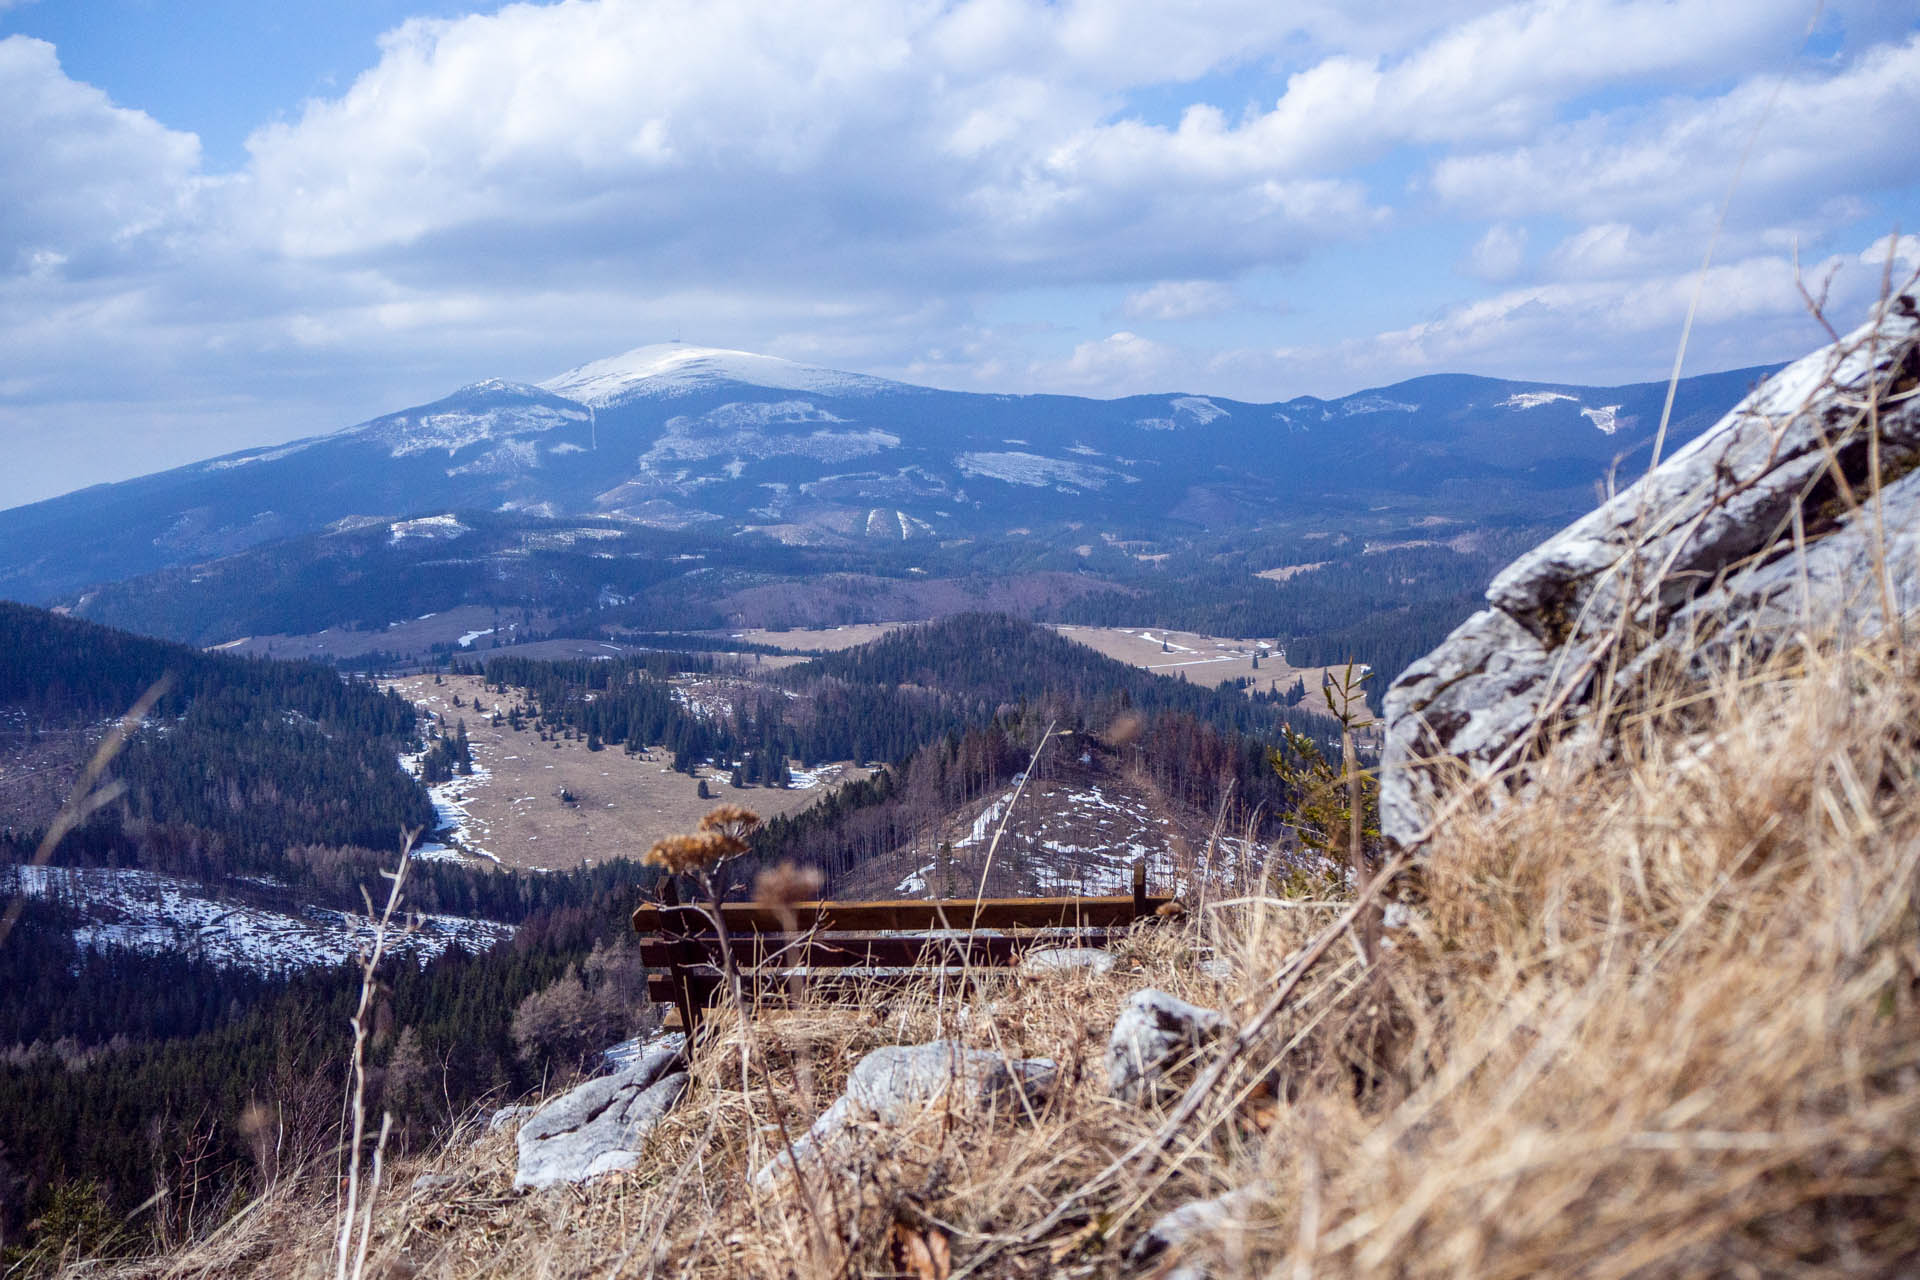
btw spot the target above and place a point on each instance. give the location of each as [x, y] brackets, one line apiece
[88, 795]
[1719, 225]
[373, 1194]
[807, 1199]
[1196, 1097]
[1205, 880]
[981, 892]
[349, 1260]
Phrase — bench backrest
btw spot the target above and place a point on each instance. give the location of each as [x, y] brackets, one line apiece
[682, 949]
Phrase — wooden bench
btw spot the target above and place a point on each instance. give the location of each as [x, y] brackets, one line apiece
[681, 948]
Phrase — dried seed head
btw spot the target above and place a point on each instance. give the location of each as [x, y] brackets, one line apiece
[733, 822]
[780, 887]
[683, 855]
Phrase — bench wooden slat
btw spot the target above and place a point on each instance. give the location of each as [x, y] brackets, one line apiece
[837, 950]
[906, 914]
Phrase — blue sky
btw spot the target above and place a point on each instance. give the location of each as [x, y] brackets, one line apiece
[226, 224]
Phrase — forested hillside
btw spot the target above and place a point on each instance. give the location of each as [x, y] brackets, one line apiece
[238, 762]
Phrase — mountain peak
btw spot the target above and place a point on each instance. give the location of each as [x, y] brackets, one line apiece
[674, 368]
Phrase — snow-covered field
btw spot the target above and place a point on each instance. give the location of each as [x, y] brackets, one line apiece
[152, 913]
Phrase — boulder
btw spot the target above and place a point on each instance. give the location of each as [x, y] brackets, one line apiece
[600, 1126]
[891, 1086]
[1156, 1038]
[1171, 1236]
[1667, 577]
[1052, 960]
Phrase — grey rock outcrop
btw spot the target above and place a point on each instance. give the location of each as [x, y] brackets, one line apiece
[600, 1126]
[1172, 1236]
[1154, 1040]
[1063, 960]
[1756, 532]
[890, 1086]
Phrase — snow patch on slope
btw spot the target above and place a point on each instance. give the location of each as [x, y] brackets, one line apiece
[1533, 399]
[1199, 408]
[1375, 404]
[430, 528]
[1606, 419]
[148, 912]
[1035, 471]
[454, 429]
[751, 431]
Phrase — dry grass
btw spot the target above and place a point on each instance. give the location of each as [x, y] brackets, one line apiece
[1659, 1018]
[621, 803]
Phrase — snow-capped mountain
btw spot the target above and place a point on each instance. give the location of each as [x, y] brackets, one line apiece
[672, 368]
[674, 436]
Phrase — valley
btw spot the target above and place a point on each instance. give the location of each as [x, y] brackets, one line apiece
[544, 802]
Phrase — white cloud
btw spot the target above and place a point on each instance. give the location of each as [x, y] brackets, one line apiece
[1751, 312]
[1897, 252]
[1825, 134]
[1122, 363]
[84, 179]
[1179, 300]
[1499, 253]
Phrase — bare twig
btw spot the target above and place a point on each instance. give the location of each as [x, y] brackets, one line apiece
[350, 1256]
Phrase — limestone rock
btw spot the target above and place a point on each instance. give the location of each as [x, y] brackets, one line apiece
[892, 1085]
[599, 1127]
[1174, 1233]
[1695, 557]
[1155, 1038]
[1047, 960]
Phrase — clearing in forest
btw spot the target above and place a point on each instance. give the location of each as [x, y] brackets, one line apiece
[555, 805]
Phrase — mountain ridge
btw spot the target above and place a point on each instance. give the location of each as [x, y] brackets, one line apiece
[668, 436]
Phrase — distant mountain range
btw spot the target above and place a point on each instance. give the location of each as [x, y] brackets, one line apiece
[680, 437]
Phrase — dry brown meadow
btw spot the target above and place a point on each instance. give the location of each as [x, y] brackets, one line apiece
[621, 803]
